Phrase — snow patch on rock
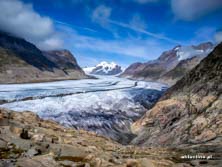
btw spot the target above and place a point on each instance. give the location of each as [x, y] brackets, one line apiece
[186, 52]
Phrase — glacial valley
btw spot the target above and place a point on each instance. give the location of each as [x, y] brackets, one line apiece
[107, 105]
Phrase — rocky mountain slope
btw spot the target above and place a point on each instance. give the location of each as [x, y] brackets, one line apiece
[184, 66]
[28, 141]
[64, 60]
[21, 61]
[189, 114]
[171, 65]
[104, 68]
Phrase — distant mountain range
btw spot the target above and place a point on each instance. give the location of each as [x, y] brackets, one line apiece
[21, 61]
[171, 66]
[104, 68]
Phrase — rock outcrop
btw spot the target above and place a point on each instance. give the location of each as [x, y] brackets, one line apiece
[171, 66]
[21, 62]
[189, 114]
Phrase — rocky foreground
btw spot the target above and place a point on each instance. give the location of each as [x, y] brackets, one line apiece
[28, 141]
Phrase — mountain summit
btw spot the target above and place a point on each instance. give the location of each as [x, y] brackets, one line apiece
[171, 66]
[104, 68]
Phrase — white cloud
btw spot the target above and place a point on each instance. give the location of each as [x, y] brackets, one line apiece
[50, 43]
[77, 27]
[20, 19]
[144, 31]
[138, 22]
[140, 48]
[218, 36]
[192, 9]
[101, 14]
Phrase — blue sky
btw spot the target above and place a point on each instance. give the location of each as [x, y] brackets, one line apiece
[123, 31]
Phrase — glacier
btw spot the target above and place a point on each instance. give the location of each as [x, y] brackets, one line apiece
[107, 105]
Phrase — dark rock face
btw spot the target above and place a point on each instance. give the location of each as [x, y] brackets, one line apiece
[21, 61]
[134, 68]
[180, 70]
[25, 51]
[166, 68]
[190, 112]
[204, 46]
[63, 59]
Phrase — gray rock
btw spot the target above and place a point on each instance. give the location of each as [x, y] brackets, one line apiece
[3, 144]
[32, 152]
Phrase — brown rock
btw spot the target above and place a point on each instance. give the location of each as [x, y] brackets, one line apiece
[3, 144]
[40, 161]
[132, 163]
[205, 136]
[16, 130]
[38, 137]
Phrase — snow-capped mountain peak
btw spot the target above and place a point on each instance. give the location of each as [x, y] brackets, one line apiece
[104, 63]
[186, 52]
[104, 68]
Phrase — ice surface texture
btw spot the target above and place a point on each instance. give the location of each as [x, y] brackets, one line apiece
[107, 105]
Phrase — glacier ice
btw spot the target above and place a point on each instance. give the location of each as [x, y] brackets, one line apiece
[106, 106]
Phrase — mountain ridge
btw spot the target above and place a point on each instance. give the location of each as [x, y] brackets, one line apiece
[23, 62]
[189, 113]
[168, 61]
